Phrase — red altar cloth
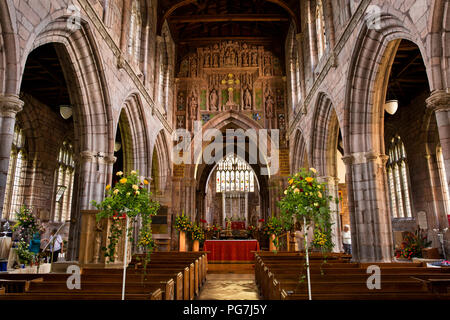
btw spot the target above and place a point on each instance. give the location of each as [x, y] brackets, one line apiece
[235, 225]
[231, 250]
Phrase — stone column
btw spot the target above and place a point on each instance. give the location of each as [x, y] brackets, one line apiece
[368, 206]
[10, 105]
[439, 102]
[333, 187]
[93, 171]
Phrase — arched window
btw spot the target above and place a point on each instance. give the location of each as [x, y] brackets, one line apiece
[234, 174]
[320, 29]
[64, 183]
[398, 179]
[134, 37]
[16, 175]
[443, 178]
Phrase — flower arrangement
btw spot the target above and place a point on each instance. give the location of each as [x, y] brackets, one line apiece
[320, 239]
[273, 226]
[197, 233]
[216, 228]
[251, 230]
[130, 198]
[412, 245]
[27, 224]
[182, 223]
[305, 199]
[24, 254]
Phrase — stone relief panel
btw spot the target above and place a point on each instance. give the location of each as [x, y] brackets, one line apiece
[230, 75]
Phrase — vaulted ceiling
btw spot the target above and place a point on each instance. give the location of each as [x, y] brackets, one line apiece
[194, 23]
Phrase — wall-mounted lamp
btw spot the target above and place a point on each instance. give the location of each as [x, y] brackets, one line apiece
[391, 106]
[65, 111]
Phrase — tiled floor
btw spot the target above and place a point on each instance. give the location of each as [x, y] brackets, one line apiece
[229, 287]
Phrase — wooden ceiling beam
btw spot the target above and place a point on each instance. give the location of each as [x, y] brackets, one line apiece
[229, 18]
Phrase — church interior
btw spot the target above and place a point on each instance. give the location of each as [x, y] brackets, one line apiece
[195, 129]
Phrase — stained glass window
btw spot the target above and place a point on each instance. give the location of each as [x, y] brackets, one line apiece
[234, 174]
[443, 177]
[64, 183]
[16, 175]
[398, 179]
[320, 29]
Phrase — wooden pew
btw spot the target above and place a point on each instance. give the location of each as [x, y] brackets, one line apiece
[155, 295]
[279, 278]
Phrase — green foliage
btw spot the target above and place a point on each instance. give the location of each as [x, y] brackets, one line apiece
[182, 223]
[306, 198]
[274, 226]
[413, 244]
[23, 252]
[27, 224]
[128, 198]
[197, 233]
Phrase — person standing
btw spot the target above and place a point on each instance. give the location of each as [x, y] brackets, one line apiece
[56, 245]
[347, 240]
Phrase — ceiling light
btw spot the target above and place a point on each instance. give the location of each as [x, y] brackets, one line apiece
[117, 146]
[391, 106]
[65, 111]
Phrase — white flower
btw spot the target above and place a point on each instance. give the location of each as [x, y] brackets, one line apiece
[135, 187]
[120, 173]
[313, 170]
[133, 172]
[128, 194]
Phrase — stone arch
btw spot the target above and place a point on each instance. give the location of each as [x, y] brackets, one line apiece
[163, 156]
[324, 137]
[299, 153]
[365, 113]
[132, 124]
[87, 88]
[9, 57]
[440, 43]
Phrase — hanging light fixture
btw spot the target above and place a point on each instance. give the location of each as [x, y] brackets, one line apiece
[65, 111]
[117, 146]
[391, 106]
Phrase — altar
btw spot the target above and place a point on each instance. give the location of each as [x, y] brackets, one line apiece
[231, 250]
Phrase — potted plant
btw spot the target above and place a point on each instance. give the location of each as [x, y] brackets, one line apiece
[413, 245]
[273, 229]
[183, 225]
[305, 201]
[24, 254]
[128, 201]
[197, 236]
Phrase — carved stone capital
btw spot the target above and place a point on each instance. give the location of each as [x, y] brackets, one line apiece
[87, 155]
[439, 100]
[10, 105]
[348, 160]
[110, 159]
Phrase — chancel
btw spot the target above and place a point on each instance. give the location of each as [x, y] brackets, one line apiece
[214, 150]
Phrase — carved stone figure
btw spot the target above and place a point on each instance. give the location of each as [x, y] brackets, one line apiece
[207, 57]
[254, 57]
[193, 107]
[194, 67]
[269, 106]
[213, 98]
[247, 99]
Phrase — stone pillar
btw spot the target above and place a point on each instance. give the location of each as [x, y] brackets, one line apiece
[368, 207]
[439, 102]
[10, 105]
[93, 171]
[333, 188]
